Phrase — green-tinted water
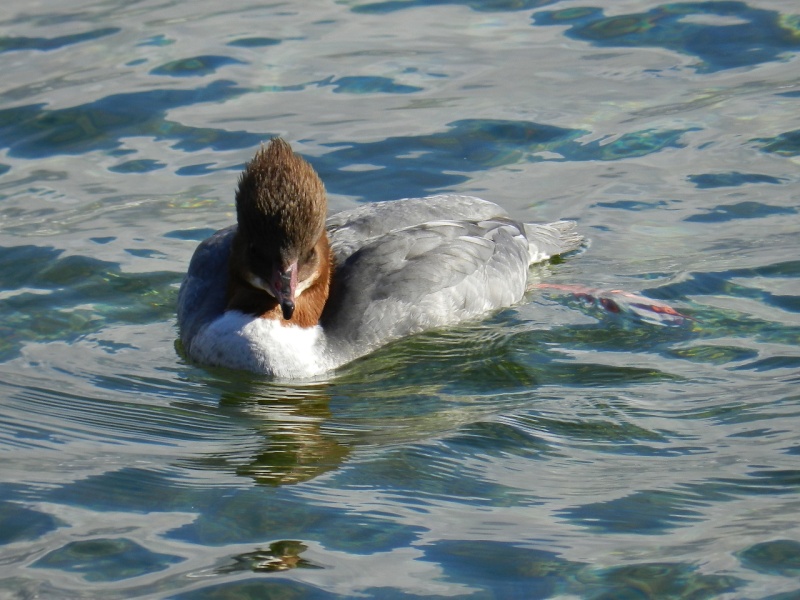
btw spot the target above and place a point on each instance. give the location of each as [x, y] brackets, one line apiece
[553, 450]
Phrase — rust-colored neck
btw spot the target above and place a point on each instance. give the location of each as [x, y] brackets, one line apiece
[309, 304]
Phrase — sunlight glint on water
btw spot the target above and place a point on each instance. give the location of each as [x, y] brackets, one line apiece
[554, 449]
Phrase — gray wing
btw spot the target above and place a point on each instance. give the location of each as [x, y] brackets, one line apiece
[426, 276]
[201, 298]
[351, 229]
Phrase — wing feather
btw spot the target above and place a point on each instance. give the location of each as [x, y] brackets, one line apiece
[351, 229]
[424, 276]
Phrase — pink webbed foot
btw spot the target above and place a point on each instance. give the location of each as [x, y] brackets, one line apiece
[620, 302]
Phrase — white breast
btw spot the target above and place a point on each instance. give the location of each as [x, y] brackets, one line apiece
[240, 341]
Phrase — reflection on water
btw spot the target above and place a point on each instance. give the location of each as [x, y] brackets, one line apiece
[281, 556]
[296, 446]
[553, 449]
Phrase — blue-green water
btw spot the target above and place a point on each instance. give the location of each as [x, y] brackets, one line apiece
[552, 450]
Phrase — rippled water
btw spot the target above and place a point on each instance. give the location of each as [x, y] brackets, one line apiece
[553, 450]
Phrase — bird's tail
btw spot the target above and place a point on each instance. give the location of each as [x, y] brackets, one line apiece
[552, 239]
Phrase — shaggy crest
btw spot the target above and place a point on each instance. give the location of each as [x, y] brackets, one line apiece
[279, 196]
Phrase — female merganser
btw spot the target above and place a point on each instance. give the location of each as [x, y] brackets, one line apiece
[290, 295]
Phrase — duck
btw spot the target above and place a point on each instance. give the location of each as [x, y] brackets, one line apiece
[291, 293]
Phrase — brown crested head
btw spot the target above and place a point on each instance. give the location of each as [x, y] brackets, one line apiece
[280, 203]
[280, 256]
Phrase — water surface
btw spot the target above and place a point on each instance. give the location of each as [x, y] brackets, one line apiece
[552, 450]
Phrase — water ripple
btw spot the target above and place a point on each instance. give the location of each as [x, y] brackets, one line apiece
[16, 44]
[33, 131]
[553, 449]
[706, 30]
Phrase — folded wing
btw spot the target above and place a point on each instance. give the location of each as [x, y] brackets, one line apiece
[424, 276]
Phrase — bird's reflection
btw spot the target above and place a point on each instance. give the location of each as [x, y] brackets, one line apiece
[281, 556]
[401, 394]
[291, 421]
